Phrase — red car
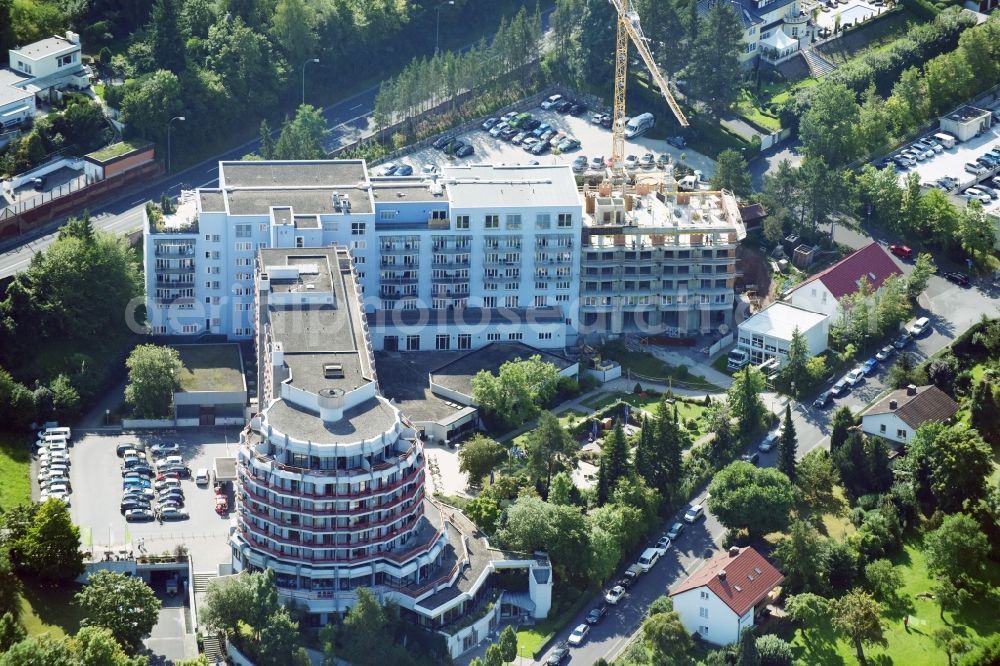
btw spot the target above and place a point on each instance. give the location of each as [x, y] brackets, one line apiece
[168, 475]
[901, 251]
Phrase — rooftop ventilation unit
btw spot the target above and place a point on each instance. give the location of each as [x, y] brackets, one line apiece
[333, 371]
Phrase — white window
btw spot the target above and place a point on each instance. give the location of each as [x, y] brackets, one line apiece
[242, 231]
[539, 301]
[491, 222]
[544, 336]
[513, 221]
[490, 302]
[359, 259]
[462, 222]
[510, 301]
[493, 337]
[216, 322]
[703, 612]
[562, 298]
[387, 214]
[442, 342]
[881, 428]
[244, 261]
[703, 630]
[704, 594]
[357, 228]
[359, 245]
[243, 247]
[514, 336]
[543, 221]
[262, 227]
[565, 220]
[215, 238]
[901, 434]
[190, 328]
[465, 341]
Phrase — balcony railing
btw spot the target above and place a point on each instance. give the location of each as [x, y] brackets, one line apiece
[450, 263]
[248, 477]
[164, 250]
[398, 557]
[416, 493]
[338, 529]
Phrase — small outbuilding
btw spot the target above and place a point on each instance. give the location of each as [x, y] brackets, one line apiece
[213, 390]
[768, 333]
[966, 122]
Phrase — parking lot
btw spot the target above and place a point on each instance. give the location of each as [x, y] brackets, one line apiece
[97, 483]
[951, 162]
[594, 140]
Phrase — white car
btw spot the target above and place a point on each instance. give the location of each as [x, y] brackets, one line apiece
[164, 449]
[919, 326]
[167, 483]
[663, 545]
[693, 513]
[631, 162]
[973, 193]
[615, 594]
[428, 170]
[854, 376]
[579, 634]
[769, 442]
[201, 476]
[551, 101]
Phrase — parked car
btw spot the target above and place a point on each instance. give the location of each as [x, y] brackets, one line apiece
[528, 142]
[598, 118]
[489, 123]
[694, 512]
[901, 251]
[551, 101]
[146, 494]
[662, 161]
[918, 327]
[165, 448]
[428, 170]
[441, 142]
[675, 531]
[855, 376]
[579, 634]
[173, 513]
[960, 279]
[557, 138]
[597, 162]
[122, 448]
[465, 151]
[540, 148]
[663, 545]
[558, 656]
[404, 170]
[142, 473]
[647, 161]
[975, 169]
[580, 163]
[597, 614]
[752, 458]
[631, 162]
[568, 144]
[769, 441]
[902, 341]
[498, 128]
[868, 367]
[131, 504]
[135, 483]
[577, 109]
[839, 389]
[986, 189]
[508, 133]
[677, 141]
[139, 515]
[615, 594]
[388, 169]
[973, 193]
[564, 106]
[884, 353]
[822, 400]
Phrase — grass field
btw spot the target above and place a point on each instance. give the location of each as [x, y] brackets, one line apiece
[15, 481]
[531, 640]
[876, 34]
[650, 366]
[904, 647]
[50, 610]
[210, 367]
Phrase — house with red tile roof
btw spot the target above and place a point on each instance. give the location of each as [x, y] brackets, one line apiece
[822, 292]
[897, 416]
[726, 595]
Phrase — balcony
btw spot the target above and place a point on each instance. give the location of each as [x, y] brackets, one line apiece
[328, 529]
[449, 279]
[172, 250]
[175, 300]
[411, 279]
[464, 293]
[446, 248]
[450, 263]
[438, 223]
[190, 268]
[164, 283]
[400, 265]
[249, 476]
[416, 492]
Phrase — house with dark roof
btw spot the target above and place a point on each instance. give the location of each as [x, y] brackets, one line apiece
[727, 594]
[822, 292]
[771, 28]
[898, 415]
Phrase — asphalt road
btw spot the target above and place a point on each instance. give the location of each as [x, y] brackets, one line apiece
[951, 309]
[346, 121]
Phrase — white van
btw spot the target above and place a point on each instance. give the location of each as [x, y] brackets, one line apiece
[737, 359]
[648, 558]
[46, 440]
[946, 140]
[201, 476]
[170, 460]
[639, 125]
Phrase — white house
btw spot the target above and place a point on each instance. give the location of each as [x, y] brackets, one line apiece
[898, 415]
[768, 333]
[36, 70]
[822, 292]
[726, 595]
[776, 24]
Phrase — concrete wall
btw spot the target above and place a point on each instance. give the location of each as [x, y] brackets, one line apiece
[721, 621]
[605, 373]
[210, 398]
[481, 629]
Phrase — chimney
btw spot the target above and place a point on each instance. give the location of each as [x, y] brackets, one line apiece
[911, 389]
[722, 575]
[72, 37]
[734, 551]
[893, 404]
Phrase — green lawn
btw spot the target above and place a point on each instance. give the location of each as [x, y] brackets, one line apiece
[211, 367]
[15, 481]
[904, 647]
[50, 610]
[748, 108]
[649, 365]
[117, 150]
[648, 402]
[531, 640]
[873, 36]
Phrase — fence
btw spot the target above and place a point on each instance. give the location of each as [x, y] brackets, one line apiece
[74, 185]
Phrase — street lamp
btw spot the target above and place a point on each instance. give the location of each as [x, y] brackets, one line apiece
[315, 60]
[437, 29]
[168, 138]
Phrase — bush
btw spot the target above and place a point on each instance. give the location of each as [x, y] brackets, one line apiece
[774, 651]
[987, 654]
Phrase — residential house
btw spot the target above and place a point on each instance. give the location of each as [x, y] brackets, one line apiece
[898, 415]
[771, 28]
[768, 333]
[822, 292]
[39, 70]
[727, 594]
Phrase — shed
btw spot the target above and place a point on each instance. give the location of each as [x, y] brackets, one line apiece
[966, 122]
[213, 387]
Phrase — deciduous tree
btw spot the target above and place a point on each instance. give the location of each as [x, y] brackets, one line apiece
[916, 281]
[551, 449]
[50, 549]
[731, 173]
[668, 640]
[858, 617]
[125, 605]
[828, 129]
[478, 457]
[803, 556]
[976, 231]
[957, 550]
[302, 137]
[755, 499]
[517, 392]
[153, 376]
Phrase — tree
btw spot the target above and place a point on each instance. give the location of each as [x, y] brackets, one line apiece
[758, 500]
[803, 557]
[40, 650]
[294, 28]
[746, 648]
[153, 376]
[795, 374]
[884, 580]
[975, 230]
[614, 463]
[551, 449]
[808, 610]
[903, 371]
[950, 642]
[266, 141]
[949, 596]
[166, 36]
[508, 644]
[984, 410]
[11, 631]
[744, 400]
[843, 421]
[949, 465]
[714, 70]
[366, 627]
[96, 646]
[148, 104]
[787, 445]
[669, 641]
[493, 656]
[279, 639]
[816, 477]
[478, 458]
[516, 393]
[881, 195]
[531, 524]
[50, 549]
[725, 440]
[957, 550]
[10, 587]
[731, 173]
[484, 512]
[302, 137]
[858, 617]
[562, 489]
[774, 651]
[828, 129]
[125, 605]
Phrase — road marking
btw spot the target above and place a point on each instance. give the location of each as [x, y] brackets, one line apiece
[356, 106]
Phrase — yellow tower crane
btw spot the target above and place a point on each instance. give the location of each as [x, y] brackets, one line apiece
[629, 29]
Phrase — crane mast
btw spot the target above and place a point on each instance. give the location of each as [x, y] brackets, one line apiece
[629, 29]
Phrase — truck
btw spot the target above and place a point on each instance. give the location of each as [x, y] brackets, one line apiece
[738, 359]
